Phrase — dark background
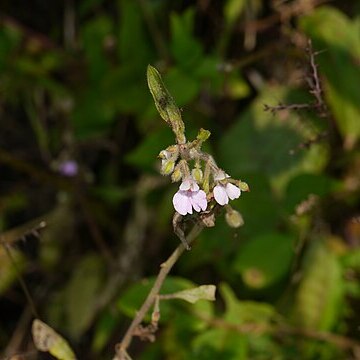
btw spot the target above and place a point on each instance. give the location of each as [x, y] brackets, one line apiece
[73, 92]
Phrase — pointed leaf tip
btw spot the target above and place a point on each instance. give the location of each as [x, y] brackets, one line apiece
[203, 292]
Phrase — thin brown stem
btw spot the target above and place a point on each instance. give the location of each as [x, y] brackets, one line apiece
[121, 348]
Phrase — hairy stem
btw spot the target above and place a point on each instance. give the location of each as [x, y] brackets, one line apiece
[154, 292]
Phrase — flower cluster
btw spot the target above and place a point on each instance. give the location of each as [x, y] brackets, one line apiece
[198, 188]
[203, 184]
[214, 182]
[189, 197]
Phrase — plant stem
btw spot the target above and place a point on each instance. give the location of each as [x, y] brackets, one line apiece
[164, 271]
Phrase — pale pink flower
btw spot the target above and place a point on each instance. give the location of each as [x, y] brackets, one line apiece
[189, 197]
[224, 192]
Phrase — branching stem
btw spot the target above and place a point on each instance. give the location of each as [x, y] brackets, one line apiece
[121, 348]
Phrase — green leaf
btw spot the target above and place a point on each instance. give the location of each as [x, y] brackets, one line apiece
[352, 259]
[259, 147]
[226, 342]
[126, 90]
[263, 143]
[186, 49]
[104, 329]
[207, 74]
[210, 248]
[319, 296]
[93, 36]
[182, 85]
[92, 116]
[301, 186]
[133, 40]
[265, 259]
[48, 340]
[220, 344]
[241, 312]
[268, 214]
[145, 155]
[131, 300]
[203, 292]
[81, 294]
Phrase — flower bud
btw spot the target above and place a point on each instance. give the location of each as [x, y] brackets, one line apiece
[233, 218]
[206, 186]
[243, 186]
[164, 154]
[167, 167]
[203, 135]
[197, 174]
[176, 175]
[170, 152]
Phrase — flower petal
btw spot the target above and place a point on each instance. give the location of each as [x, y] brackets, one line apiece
[182, 203]
[201, 199]
[195, 205]
[198, 200]
[220, 175]
[232, 191]
[194, 186]
[220, 195]
[185, 185]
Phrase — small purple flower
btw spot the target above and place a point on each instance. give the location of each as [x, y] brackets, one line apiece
[224, 192]
[189, 197]
[68, 168]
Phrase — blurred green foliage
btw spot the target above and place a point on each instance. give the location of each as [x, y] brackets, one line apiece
[73, 87]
